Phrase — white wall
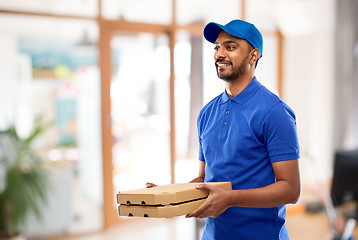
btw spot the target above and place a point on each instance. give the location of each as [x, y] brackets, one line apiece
[308, 89]
[309, 85]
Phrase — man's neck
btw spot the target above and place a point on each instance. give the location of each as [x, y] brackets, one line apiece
[236, 87]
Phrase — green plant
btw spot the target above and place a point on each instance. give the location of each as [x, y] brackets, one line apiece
[25, 184]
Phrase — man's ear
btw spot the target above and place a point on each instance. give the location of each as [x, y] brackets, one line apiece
[255, 54]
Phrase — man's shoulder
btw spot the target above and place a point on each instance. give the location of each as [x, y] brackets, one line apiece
[271, 104]
[268, 96]
[212, 103]
[267, 100]
[210, 106]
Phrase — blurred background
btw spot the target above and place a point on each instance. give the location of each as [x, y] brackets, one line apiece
[117, 86]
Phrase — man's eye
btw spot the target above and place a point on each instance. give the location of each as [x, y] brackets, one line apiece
[230, 47]
[216, 48]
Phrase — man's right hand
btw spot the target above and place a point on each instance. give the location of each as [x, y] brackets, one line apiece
[149, 185]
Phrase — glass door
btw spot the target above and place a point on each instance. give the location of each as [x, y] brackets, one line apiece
[140, 110]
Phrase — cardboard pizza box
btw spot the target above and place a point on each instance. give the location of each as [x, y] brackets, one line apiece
[164, 201]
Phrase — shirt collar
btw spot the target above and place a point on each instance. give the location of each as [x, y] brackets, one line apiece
[245, 95]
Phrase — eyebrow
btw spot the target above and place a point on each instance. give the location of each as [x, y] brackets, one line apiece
[227, 42]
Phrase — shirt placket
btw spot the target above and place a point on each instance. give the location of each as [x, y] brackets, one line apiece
[226, 118]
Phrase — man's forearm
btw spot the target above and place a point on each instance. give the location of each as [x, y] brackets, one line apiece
[274, 195]
[285, 190]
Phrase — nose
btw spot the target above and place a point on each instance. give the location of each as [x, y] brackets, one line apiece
[219, 54]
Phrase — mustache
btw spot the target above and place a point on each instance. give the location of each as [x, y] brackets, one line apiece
[222, 61]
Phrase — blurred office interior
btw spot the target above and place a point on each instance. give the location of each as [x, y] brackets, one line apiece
[122, 83]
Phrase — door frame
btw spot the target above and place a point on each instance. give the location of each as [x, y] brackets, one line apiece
[107, 30]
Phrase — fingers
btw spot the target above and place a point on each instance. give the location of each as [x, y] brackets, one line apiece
[150, 185]
[214, 205]
[205, 187]
[199, 212]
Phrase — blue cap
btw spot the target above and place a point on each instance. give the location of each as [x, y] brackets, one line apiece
[236, 28]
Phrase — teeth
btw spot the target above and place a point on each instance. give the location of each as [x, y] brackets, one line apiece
[223, 64]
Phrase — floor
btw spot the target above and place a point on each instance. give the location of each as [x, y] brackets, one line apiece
[301, 226]
[178, 228]
[305, 226]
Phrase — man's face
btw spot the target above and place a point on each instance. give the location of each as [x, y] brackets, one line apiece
[231, 57]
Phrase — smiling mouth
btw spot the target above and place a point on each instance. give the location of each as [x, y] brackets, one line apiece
[221, 65]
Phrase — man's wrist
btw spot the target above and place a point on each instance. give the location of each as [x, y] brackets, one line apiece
[230, 198]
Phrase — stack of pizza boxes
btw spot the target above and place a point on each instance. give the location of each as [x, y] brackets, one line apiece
[164, 201]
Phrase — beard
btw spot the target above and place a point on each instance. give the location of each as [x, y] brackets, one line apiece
[235, 73]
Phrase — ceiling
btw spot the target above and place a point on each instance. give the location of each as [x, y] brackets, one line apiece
[292, 17]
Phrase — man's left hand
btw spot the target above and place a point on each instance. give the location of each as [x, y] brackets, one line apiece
[216, 203]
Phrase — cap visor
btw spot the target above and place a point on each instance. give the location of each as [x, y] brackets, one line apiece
[211, 31]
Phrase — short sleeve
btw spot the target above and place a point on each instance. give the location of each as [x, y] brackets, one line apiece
[280, 133]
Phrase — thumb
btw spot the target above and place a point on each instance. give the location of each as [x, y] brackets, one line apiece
[205, 187]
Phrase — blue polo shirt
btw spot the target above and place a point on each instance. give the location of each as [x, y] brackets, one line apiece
[239, 138]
